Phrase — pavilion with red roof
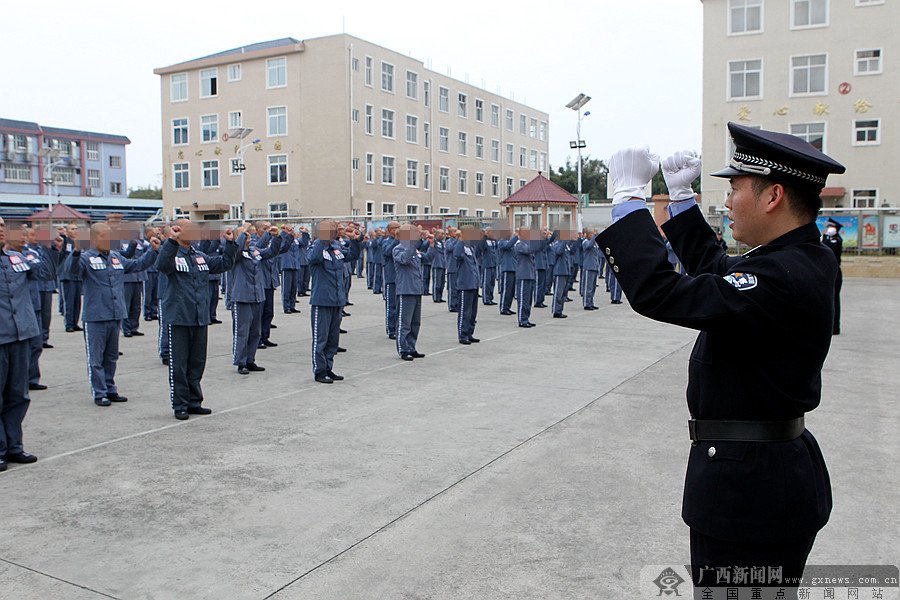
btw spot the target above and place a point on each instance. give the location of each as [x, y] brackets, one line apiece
[541, 203]
[59, 213]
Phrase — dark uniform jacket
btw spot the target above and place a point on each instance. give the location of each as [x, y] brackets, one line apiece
[329, 277]
[765, 323]
[104, 280]
[186, 297]
[835, 243]
[17, 318]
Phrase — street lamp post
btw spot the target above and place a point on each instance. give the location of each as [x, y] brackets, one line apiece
[576, 104]
[239, 133]
[51, 155]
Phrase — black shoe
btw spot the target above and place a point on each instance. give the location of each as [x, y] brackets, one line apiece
[261, 346]
[342, 330]
[341, 349]
[46, 345]
[530, 324]
[465, 342]
[418, 355]
[616, 302]
[137, 333]
[454, 310]
[441, 301]
[77, 328]
[126, 335]
[302, 295]
[392, 337]
[37, 386]
[490, 304]
[148, 319]
[344, 313]
[542, 305]
[116, 398]
[269, 343]
[324, 378]
[199, 410]
[560, 316]
[214, 322]
[243, 370]
[334, 376]
[567, 299]
[101, 402]
[23, 458]
[836, 331]
[290, 312]
[273, 326]
[525, 325]
[474, 340]
[70, 329]
[181, 415]
[507, 312]
[3, 465]
[165, 360]
[348, 304]
[406, 356]
[255, 367]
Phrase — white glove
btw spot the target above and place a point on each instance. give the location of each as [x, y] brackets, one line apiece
[631, 170]
[679, 171]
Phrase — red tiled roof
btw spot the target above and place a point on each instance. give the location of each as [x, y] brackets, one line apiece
[541, 190]
[833, 192]
[60, 212]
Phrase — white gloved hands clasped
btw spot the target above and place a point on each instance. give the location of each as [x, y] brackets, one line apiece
[679, 171]
[631, 169]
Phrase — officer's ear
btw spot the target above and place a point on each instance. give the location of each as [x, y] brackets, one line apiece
[774, 196]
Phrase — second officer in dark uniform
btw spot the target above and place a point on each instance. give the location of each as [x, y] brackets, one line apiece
[832, 238]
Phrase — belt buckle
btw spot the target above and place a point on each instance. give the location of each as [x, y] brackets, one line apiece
[692, 431]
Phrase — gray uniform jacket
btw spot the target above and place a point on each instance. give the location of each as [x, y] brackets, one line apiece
[186, 298]
[563, 252]
[135, 249]
[104, 281]
[387, 259]
[590, 260]
[466, 267]
[408, 264]
[526, 251]
[437, 254]
[507, 254]
[246, 279]
[17, 318]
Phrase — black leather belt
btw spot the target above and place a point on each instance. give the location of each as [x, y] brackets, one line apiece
[746, 431]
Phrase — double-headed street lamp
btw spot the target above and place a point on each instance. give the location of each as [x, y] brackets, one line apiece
[579, 101]
[239, 133]
[51, 156]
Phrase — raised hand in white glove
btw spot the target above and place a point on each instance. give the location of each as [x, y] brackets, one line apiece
[679, 171]
[631, 170]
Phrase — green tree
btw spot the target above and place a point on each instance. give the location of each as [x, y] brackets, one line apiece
[593, 177]
[145, 193]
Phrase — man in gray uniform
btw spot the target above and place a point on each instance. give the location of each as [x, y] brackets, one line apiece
[103, 272]
[590, 269]
[290, 271]
[390, 280]
[50, 255]
[489, 262]
[17, 325]
[437, 253]
[151, 284]
[544, 275]
[532, 243]
[186, 305]
[270, 278]
[466, 282]
[134, 287]
[562, 271]
[211, 245]
[408, 264]
[71, 284]
[507, 258]
[377, 258]
[450, 245]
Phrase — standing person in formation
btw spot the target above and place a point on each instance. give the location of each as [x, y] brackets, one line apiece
[532, 243]
[70, 283]
[134, 281]
[590, 269]
[466, 282]
[507, 261]
[344, 238]
[832, 238]
[18, 325]
[48, 253]
[390, 279]
[408, 263]
[303, 271]
[211, 245]
[437, 254]
[151, 284]
[186, 305]
[162, 337]
[269, 271]
[425, 238]
[453, 235]
[757, 490]
[542, 263]
[377, 261]
[489, 262]
[290, 273]
[326, 260]
[370, 259]
[562, 271]
[103, 271]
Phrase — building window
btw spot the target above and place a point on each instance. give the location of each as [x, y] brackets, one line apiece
[354, 64]
[543, 132]
[368, 73]
[370, 168]
[209, 83]
[543, 166]
[523, 124]
[463, 181]
[370, 116]
[209, 128]
[479, 213]
[412, 129]
[509, 119]
[115, 162]
[234, 72]
[443, 99]
[93, 148]
[444, 183]
[814, 133]
[210, 170]
[412, 209]
[412, 85]
[179, 135]
[181, 176]
[443, 139]
[868, 62]
[115, 188]
[277, 120]
[744, 79]
[370, 208]
[64, 176]
[426, 92]
[444, 210]
[93, 178]
[509, 186]
[495, 150]
[354, 115]
[278, 169]
[462, 105]
[463, 212]
[495, 186]
[809, 13]
[278, 210]
[426, 210]
[533, 160]
[22, 173]
[533, 129]
[387, 77]
[866, 132]
[412, 173]
[276, 72]
[387, 170]
[868, 2]
[745, 16]
[63, 147]
[426, 177]
[234, 119]
[387, 123]
[234, 167]
[523, 156]
[354, 164]
[178, 87]
[865, 198]
[20, 143]
[387, 208]
[479, 184]
[495, 214]
[808, 74]
[479, 110]
[479, 147]
[510, 154]
[463, 143]
[426, 132]
[522, 183]
[495, 115]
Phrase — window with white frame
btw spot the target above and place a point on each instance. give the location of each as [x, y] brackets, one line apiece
[479, 110]
[354, 115]
[93, 178]
[867, 62]
[354, 64]
[865, 198]
[495, 214]
[443, 139]
[444, 210]
[387, 208]
[181, 176]
[495, 150]
[370, 116]
[745, 79]
[179, 136]
[387, 77]
[235, 212]
[533, 129]
[210, 171]
[533, 160]
[115, 188]
[463, 181]
[93, 148]
[523, 124]
[177, 213]
[463, 143]
[479, 213]
[444, 99]
[234, 167]
[276, 72]
[370, 208]
[509, 187]
[479, 147]
[178, 87]
[426, 177]
[426, 134]
[510, 116]
[809, 74]
[495, 186]
[866, 132]
[523, 156]
[22, 173]
[278, 169]
[412, 209]
[354, 164]
[745, 16]
[543, 166]
[479, 184]
[234, 119]
[62, 146]
[522, 183]
[426, 210]
[115, 162]
[278, 210]
[543, 131]
[412, 129]
[412, 173]
[387, 170]
[209, 128]
[370, 168]
[813, 133]
[412, 85]
[462, 105]
[387, 123]
[495, 115]
[809, 13]
[426, 92]
[64, 176]
[20, 143]
[278, 124]
[368, 71]
[444, 182]
[868, 2]
[463, 212]
[234, 72]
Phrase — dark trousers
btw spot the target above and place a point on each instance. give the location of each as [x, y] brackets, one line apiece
[268, 313]
[46, 315]
[35, 349]
[409, 321]
[438, 279]
[14, 398]
[290, 287]
[468, 311]
[71, 302]
[391, 310]
[326, 336]
[213, 298]
[101, 342]
[370, 275]
[303, 280]
[162, 341]
[524, 299]
[187, 361]
[542, 285]
[708, 554]
[452, 293]
[837, 301]
[151, 297]
[378, 279]
[507, 289]
[559, 293]
[615, 290]
[133, 303]
[246, 318]
[488, 281]
[426, 279]
[360, 262]
[589, 287]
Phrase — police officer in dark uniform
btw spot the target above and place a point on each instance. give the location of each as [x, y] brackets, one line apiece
[832, 238]
[186, 306]
[757, 490]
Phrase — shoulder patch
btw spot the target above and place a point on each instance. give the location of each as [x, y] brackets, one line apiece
[742, 281]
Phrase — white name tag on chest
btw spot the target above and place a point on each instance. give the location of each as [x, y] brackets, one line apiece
[181, 264]
[97, 263]
[468, 251]
[116, 263]
[18, 265]
[201, 264]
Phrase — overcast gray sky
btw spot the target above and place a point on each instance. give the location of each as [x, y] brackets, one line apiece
[89, 64]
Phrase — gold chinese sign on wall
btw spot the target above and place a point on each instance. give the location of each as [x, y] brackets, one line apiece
[862, 106]
[744, 112]
[820, 109]
[781, 111]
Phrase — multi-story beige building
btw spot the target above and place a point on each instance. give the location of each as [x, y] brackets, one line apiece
[819, 69]
[344, 127]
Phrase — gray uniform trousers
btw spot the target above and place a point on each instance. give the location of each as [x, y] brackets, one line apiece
[507, 289]
[615, 290]
[326, 336]
[370, 275]
[247, 319]
[290, 287]
[303, 283]
[589, 287]
[488, 281]
[439, 278]
[410, 319]
[559, 293]
[133, 301]
[151, 295]
[390, 308]
[268, 313]
[542, 284]
[524, 299]
[468, 311]
[213, 298]
[14, 398]
[452, 293]
[426, 279]
[378, 279]
[45, 315]
[35, 349]
[164, 338]
[101, 342]
[187, 361]
[71, 302]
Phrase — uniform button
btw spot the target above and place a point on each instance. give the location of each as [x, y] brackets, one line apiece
[712, 451]
[612, 260]
[616, 268]
[607, 251]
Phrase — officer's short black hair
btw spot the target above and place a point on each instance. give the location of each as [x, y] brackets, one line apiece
[804, 202]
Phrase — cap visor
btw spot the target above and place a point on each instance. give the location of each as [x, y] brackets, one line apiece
[728, 172]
